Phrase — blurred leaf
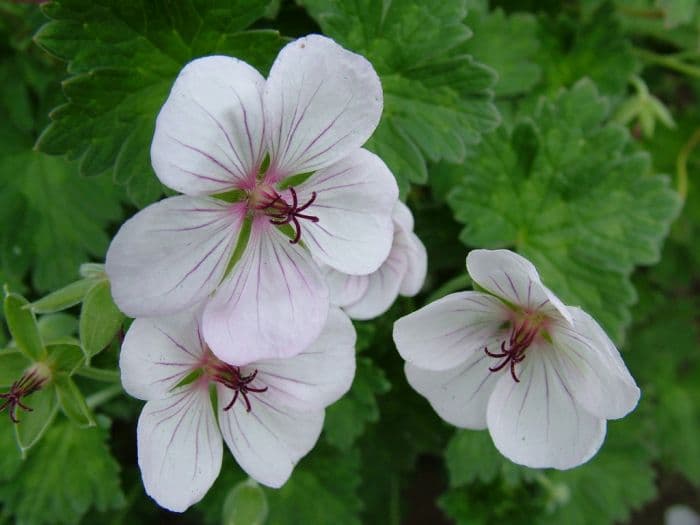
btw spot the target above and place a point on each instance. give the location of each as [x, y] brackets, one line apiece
[100, 319]
[246, 505]
[23, 327]
[567, 194]
[123, 58]
[65, 357]
[71, 471]
[437, 99]
[72, 402]
[58, 326]
[13, 363]
[34, 423]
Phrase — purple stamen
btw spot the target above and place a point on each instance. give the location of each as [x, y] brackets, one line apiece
[26, 385]
[281, 212]
[521, 337]
[230, 376]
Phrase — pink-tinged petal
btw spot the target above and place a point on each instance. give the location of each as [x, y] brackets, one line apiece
[515, 279]
[382, 289]
[447, 332]
[354, 199]
[417, 263]
[458, 395]
[209, 134]
[268, 441]
[317, 377]
[179, 448]
[273, 304]
[322, 102]
[158, 353]
[344, 289]
[537, 422]
[591, 367]
[172, 254]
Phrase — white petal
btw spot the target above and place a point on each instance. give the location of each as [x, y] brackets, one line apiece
[592, 368]
[272, 305]
[417, 263]
[158, 353]
[537, 422]
[444, 334]
[179, 448]
[512, 277]
[209, 134]
[172, 254]
[354, 198]
[268, 441]
[459, 395]
[321, 102]
[344, 289]
[402, 216]
[318, 376]
[382, 289]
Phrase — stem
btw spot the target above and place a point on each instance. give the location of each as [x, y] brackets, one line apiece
[102, 396]
[668, 61]
[682, 164]
[99, 374]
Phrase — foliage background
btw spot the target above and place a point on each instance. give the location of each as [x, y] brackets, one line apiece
[564, 130]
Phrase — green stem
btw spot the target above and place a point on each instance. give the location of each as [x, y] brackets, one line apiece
[668, 61]
[99, 374]
[682, 164]
[102, 396]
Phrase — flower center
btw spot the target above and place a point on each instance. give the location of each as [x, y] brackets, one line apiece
[231, 377]
[26, 385]
[265, 198]
[522, 334]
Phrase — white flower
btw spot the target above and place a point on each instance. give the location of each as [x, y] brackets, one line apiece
[270, 413]
[403, 272]
[542, 376]
[227, 131]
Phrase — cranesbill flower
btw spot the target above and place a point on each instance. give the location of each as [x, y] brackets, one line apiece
[542, 376]
[272, 173]
[270, 413]
[403, 272]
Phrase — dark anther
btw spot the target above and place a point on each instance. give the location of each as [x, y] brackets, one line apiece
[513, 351]
[230, 376]
[26, 385]
[281, 212]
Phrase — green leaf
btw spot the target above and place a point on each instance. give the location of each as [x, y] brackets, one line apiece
[62, 299]
[346, 419]
[72, 401]
[566, 192]
[70, 472]
[23, 327]
[123, 58]
[33, 424]
[13, 364]
[65, 357]
[246, 504]
[57, 327]
[437, 99]
[100, 319]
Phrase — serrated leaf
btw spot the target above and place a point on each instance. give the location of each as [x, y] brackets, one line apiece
[100, 319]
[346, 419]
[566, 192]
[23, 328]
[113, 98]
[63, 298]
[437, 99]
[72, 401]
[71, 471]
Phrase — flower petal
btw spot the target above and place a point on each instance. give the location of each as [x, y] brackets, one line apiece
[158, 353]
[321, 102]
[268, 441]
[444, 334]
[272, 305]
[354, 198]
[317, 377]
[591, 367]
[344, 289]
[537, 422]
[402, 216]
[209, 134]
[171, 254]
[417, 263]
[459, 395]
[179, 448]
[382, 289]
[512, 277]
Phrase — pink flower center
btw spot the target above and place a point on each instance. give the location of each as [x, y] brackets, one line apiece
[29, 383]
[231, 377]
[266, 199]
[522, 334]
